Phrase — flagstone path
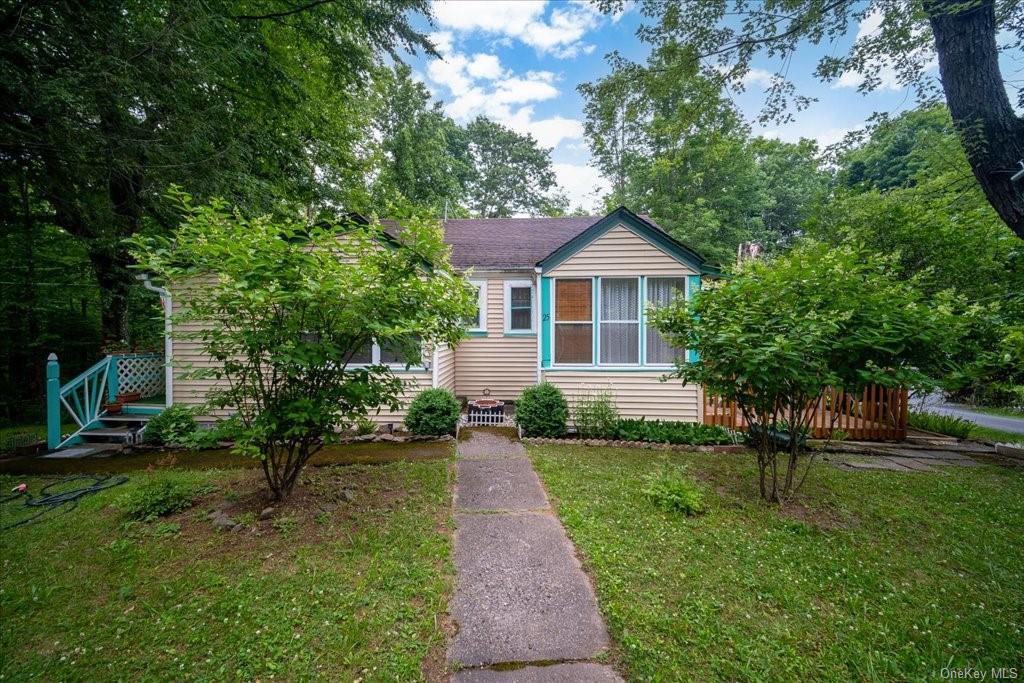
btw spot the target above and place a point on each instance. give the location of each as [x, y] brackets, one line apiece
[523, 608]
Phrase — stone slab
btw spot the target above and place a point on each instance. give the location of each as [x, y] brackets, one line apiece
[485, 443]
[74, 452]
[506, 484]
[521, 595]
[556, 673]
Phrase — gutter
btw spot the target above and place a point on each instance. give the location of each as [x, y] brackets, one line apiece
[165, 301]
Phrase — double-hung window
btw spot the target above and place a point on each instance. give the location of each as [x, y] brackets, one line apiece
[619, 343]
[385, 354]
[662, 291]
[574, 321]
[478, 321]
[518, 306]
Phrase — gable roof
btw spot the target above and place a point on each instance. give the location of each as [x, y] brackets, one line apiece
[524, 243]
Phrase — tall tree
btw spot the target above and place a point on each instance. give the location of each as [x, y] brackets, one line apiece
[424, 155]
[511, 172]
[725, 37]
[794, 184]
[107, 103]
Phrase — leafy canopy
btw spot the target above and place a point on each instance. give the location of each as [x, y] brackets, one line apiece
[288, 312]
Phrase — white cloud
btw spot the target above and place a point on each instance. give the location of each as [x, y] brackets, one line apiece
[559, 35]
[442, 40]
[825, 136]
[584, 185]
[548, 132]
[485, 66]
[759, 77]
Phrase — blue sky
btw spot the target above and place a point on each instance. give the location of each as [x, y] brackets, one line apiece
[519, 62]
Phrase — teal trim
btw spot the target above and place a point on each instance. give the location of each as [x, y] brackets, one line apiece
[476, 333]
[142, 409]
[645, 229]
[643, 322]
[112, 381]
[546, 322]
[52, 402]
[520, 334]
[595, 318]
[692, 287]
[609, 368]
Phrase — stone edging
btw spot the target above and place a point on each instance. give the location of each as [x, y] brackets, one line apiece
[649, 445]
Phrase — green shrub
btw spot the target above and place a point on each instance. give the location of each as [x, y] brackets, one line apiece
[159, 497]
[172, 427]
[657, 431]
[941, 424]
[211, 437]
[674, 492]
[365, 425]
[542, 411]
[596, 416]
[433, 412]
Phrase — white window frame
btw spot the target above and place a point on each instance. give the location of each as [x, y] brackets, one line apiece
[523, 284]
[640, 325]
[555, 322]
[481, 303]
[646, 303]
[375, 360]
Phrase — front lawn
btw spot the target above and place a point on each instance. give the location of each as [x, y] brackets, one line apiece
[345, 583]
[874, 576]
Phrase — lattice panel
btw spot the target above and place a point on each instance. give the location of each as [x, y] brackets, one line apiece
[143, 373]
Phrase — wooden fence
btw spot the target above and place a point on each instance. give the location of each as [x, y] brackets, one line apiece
[876, 414]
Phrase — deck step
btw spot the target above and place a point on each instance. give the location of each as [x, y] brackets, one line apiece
[126, 419]
[107, 434]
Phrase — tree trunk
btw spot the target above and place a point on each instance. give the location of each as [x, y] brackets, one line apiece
[990, 132]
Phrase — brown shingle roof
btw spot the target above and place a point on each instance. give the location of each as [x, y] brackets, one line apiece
[509, 243]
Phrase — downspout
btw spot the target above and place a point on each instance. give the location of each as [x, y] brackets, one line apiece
[537, 322]
[165, 301]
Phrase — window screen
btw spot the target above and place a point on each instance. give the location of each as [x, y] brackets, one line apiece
[662, 291]
[574, 322]
[520, 309]
[620, 321]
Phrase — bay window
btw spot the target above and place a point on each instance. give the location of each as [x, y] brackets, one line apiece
[574, 321]
[662, 291]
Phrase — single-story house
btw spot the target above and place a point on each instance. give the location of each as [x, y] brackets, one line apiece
[561, 300]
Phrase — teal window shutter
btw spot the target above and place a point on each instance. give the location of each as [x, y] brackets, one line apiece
[545, 322]
[692, 286]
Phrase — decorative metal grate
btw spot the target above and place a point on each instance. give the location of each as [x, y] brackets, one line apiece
[141, 372]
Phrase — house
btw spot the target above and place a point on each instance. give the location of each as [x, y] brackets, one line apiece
[561, 300]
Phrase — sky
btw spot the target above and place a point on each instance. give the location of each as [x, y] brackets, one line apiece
[519, 62]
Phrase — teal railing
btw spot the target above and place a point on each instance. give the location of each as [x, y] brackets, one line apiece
[85, 396]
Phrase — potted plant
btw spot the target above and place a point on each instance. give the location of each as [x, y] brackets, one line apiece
[113, 408]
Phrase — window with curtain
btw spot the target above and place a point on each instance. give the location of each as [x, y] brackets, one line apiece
[662, 291]
[620, 321]
[574, 322]
[519, 300]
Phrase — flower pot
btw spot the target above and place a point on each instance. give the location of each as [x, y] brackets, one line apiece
[113, 408]
[128, 397]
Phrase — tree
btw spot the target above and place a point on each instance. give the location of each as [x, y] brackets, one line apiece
[424, 155]
[105, 104]
[772, 337]
[725, 37]
[511, 173]
[794, 187]
[287, 312]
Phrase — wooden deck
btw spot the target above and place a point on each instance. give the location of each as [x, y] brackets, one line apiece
[876, 414]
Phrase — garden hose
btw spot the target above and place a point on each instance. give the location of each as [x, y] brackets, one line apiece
[68, 499]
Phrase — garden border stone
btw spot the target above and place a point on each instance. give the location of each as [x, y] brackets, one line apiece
[649, 445]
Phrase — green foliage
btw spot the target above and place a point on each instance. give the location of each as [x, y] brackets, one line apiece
[294, 306]
[172, 427]
[542, 411]
[658, 431]
[595, 416]
[940, 424]
[511, 173]
[673, 491]
[772, 337]
[365, 425]
[161, 496]
[433, 412]
[211, 437]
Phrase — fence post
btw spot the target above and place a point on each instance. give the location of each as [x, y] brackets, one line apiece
[52, 402]
[112, 375]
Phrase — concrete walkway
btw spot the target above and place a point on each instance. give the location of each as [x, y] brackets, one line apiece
[523, 608]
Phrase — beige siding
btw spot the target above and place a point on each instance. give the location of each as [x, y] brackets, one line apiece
[505, 365]
[415, 383]
[620, 252]
[637, 394]
[445, 369]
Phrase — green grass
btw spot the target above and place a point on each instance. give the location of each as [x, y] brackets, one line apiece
[875, 576]
[996, 435]
[330, 589]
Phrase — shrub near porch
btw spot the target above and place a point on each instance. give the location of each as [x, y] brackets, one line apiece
[869, 576]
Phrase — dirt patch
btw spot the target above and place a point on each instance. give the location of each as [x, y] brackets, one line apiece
[820, 518]
[435, 664]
